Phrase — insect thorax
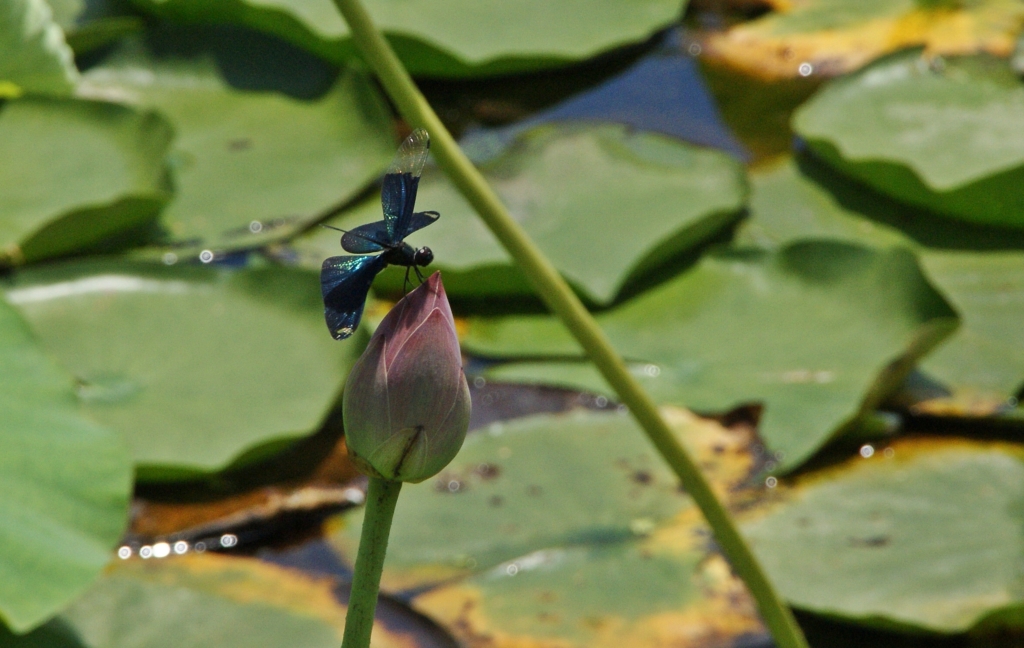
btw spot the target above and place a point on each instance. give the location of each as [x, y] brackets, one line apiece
[406, 255]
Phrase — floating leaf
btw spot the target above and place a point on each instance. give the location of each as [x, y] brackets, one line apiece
[604, 204]
[515, 488]
[77, 175]
[192, 365]
[65, 12]
[66, 483]
[33, 55]
[924, 536]
[454, 38]
[820, 332]
[252, 167]
[891, 125]
[983, 362]
[205, 600]
[570, 531]
[639, 594]
[88, 28]
[788, 206]
[838, 36]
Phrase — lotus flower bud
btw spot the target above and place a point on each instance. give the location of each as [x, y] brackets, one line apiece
[406, 402]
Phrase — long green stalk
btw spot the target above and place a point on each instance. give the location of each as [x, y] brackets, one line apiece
[563, 302]
[381, 498]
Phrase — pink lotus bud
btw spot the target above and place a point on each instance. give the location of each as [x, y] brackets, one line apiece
[406, 402]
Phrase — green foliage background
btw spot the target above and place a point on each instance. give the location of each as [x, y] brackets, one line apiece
[164, 167]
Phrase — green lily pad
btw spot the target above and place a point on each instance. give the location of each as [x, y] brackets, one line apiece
[88, 28]
[925, 536]
[891, 125]
[203, 600]
[605, 205]
[192, 365]
[89, 36]
[787, 206]
[251, 167]
[634, 594]
[985, 359]
[979, 270]
[821, 332]
[77, 175]
[569, 530]
[450, 39]
[34, 57]
[66, 484]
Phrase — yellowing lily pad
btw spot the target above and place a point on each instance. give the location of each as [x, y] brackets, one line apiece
[834, 37]
[204, 600]
[636, 594]
[569, 531]
[604, 204]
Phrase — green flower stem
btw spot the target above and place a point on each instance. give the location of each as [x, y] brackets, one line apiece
[381, 497]
[564, 303]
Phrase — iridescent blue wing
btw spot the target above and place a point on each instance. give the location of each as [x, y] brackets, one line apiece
[372, 237]
[344, 283]
[420, 220]
[398, 195]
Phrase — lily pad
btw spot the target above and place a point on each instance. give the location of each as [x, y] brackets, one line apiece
[192, 365]
[569, 530]
[838, 36]
[449, 39]
[77, 175]
[66, 484]
[924, 536]
[251, 167]
[605, 204]
[640, 594]
[788, 206]
[205, 600]
[34, 56]
[977, 269]
[821, 332]
[515, 488]
[891, 125]
[984, 361]
[89, 26]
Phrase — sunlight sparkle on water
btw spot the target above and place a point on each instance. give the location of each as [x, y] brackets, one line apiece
[161, 550]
